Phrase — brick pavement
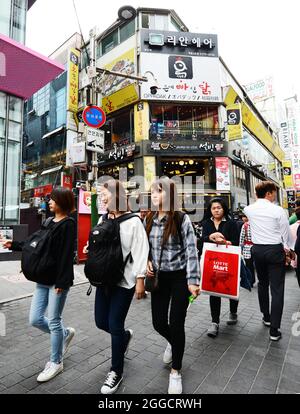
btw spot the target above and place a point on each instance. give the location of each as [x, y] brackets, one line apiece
[241, 360]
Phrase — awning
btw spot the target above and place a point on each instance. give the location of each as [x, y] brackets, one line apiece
[23, 71]
[51, 170]
[54, 132]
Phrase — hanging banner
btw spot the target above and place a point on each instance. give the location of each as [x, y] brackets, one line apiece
[222, 174]
[73, 80]
[141, 121]
[297, 181]
[287, 175]
[234, 122]
[66, 180]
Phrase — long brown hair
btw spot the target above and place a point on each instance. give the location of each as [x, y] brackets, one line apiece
[173, 214]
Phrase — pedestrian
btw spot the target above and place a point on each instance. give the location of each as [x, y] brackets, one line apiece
[112, 302]
[271, 242]
[219, 228]
[293, 219]
[51, 294]
[246, 245]
[173, 254]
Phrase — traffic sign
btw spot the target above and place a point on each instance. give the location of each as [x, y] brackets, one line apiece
[94, 116]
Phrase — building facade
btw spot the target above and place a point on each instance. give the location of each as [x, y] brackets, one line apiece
[15, 86]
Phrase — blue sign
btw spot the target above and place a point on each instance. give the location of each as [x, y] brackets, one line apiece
[94, 116]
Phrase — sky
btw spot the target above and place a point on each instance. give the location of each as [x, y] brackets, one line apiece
[257, 38]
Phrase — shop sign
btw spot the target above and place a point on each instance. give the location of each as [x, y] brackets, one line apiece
[291, 198]
[66, 180]
[120, 99]
[297, 181]
[185, 43]
[287, 174]
[206, 147]
[85, 201]
[182, 78]
[234, 122]
[43, 190]
[118, 153]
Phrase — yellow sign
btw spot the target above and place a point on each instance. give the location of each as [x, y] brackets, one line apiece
[124, 64]
[234, 122]
[149, 171]
[120, 99]
[285, 202]
[141, 121]
[287, 175]
[255, 126]
[73, 80]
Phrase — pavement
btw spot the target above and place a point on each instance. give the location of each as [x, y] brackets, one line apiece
[241, 360]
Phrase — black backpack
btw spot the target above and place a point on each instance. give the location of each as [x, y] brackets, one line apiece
[37, 263]
[105, 264]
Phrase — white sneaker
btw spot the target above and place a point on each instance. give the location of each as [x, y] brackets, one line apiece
[175, 384]
[68, 340]
[50, 371]
[168, 354]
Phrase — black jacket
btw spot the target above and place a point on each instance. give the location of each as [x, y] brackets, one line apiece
[63, 250]
[228, 228]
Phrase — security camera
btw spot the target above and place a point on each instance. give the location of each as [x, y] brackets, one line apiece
[153, 90]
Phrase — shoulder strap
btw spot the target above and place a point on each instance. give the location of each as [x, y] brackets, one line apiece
[57, 225]
[126, 217]
[47, 222]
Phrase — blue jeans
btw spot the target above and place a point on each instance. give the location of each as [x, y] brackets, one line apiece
[45, 297]
[111, 308]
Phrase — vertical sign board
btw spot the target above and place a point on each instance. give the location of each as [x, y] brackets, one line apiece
[222, 173]
[234, 122]
[73, 80]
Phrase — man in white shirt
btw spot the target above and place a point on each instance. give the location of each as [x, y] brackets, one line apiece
[271, 241]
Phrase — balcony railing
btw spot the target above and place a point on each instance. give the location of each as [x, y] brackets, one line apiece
[185, 130]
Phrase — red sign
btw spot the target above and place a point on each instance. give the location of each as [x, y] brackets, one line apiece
[94, 116]
[43, 190]
[297, 181]
[66, 181]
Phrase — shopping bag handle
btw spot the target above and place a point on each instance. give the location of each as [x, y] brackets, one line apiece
[227, 243]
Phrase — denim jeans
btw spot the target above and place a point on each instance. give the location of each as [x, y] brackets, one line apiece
[45, 297]
[111, 308]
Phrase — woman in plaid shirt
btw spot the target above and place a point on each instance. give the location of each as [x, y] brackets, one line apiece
[173, 254]
[246, 245]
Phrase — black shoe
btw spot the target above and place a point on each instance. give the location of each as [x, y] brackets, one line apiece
[232, 319]
[275, 334]
[266, 321]
[112, 382]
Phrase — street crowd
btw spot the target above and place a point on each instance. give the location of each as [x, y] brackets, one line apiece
[159, 252]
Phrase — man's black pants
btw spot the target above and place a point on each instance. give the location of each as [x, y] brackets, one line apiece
[270, 267]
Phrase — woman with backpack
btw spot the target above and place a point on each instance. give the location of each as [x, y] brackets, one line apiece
[112, 300]
[173, 256]
[52, 288]
[219, 228]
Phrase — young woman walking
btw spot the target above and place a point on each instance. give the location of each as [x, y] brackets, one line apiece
[51, 294]
[173, 254]
[112, 303]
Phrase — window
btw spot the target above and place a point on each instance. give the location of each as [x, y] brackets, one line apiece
[19, 20]
[155, 22]
[15, 109]
[85, 56]
[14, 131]
[109, 42]
[5, 17]
[174, 26]
[41, 100]
[12, 184]
[60, 107]
[127, 31]
[2, 105]
[145, 21]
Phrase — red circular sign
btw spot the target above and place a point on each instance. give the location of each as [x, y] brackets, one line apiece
[94, 116]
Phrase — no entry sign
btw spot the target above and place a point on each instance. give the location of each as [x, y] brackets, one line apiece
[94, 117]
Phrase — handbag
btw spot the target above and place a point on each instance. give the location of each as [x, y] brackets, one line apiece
[151, 282]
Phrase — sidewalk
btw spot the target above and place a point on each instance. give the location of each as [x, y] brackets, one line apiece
[13, 284]
[240, 360]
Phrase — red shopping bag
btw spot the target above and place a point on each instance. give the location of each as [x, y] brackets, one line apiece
[220, 270]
